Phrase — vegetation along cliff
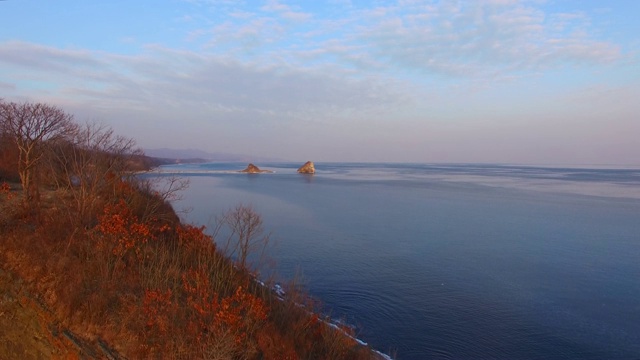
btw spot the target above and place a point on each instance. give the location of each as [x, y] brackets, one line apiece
[94, 263]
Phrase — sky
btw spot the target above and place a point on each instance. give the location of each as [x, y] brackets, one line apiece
[484, 81]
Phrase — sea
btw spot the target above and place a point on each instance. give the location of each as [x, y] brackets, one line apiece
[449, 261]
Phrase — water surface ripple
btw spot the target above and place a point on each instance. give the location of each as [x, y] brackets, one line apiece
[449, 261]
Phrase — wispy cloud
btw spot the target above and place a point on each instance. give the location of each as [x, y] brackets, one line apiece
[39, 57]
[189, 79]
[285, 11]
[455, 38]
[383, 80]
[7, 86]
[479, 38]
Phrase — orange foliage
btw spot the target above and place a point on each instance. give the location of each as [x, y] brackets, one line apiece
[153, 287]
[123, 228]
[201, 303]
[196, 302]
[159, 309]
[194, 238]
[241, 314]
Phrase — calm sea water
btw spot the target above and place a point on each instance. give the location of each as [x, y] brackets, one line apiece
[453, 261]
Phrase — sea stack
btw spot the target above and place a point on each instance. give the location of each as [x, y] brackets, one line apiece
[251, 169]
[307, 168]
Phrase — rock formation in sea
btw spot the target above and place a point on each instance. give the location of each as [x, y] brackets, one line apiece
[252, 169]
[307, 168]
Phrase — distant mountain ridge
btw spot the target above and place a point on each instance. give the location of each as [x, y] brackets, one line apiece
[197, 155]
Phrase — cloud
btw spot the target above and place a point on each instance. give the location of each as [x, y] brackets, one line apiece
[212, 2]
[258, 32]
[167, 97]
[467, 39]
[384, 80]
[44, 58]
[479, 38]
[285, 11]
[188, 80]
[7, 86]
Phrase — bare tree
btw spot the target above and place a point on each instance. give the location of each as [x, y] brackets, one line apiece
[31, 126]
[8, 153]
[245, 233]
[89, 163]
[160, 191]
[94, 160]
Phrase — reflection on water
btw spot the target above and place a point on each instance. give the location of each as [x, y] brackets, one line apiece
[454, 261]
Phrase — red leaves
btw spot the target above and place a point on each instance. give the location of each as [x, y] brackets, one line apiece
[158, 308]
[123, 228]
[238, 315]
[194, 238]
[196, 310]
[241, 314]
[200, 299]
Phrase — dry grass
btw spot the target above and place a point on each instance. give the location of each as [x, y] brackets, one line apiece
[155, 288]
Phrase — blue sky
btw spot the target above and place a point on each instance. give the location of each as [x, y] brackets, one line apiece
[498, 81]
